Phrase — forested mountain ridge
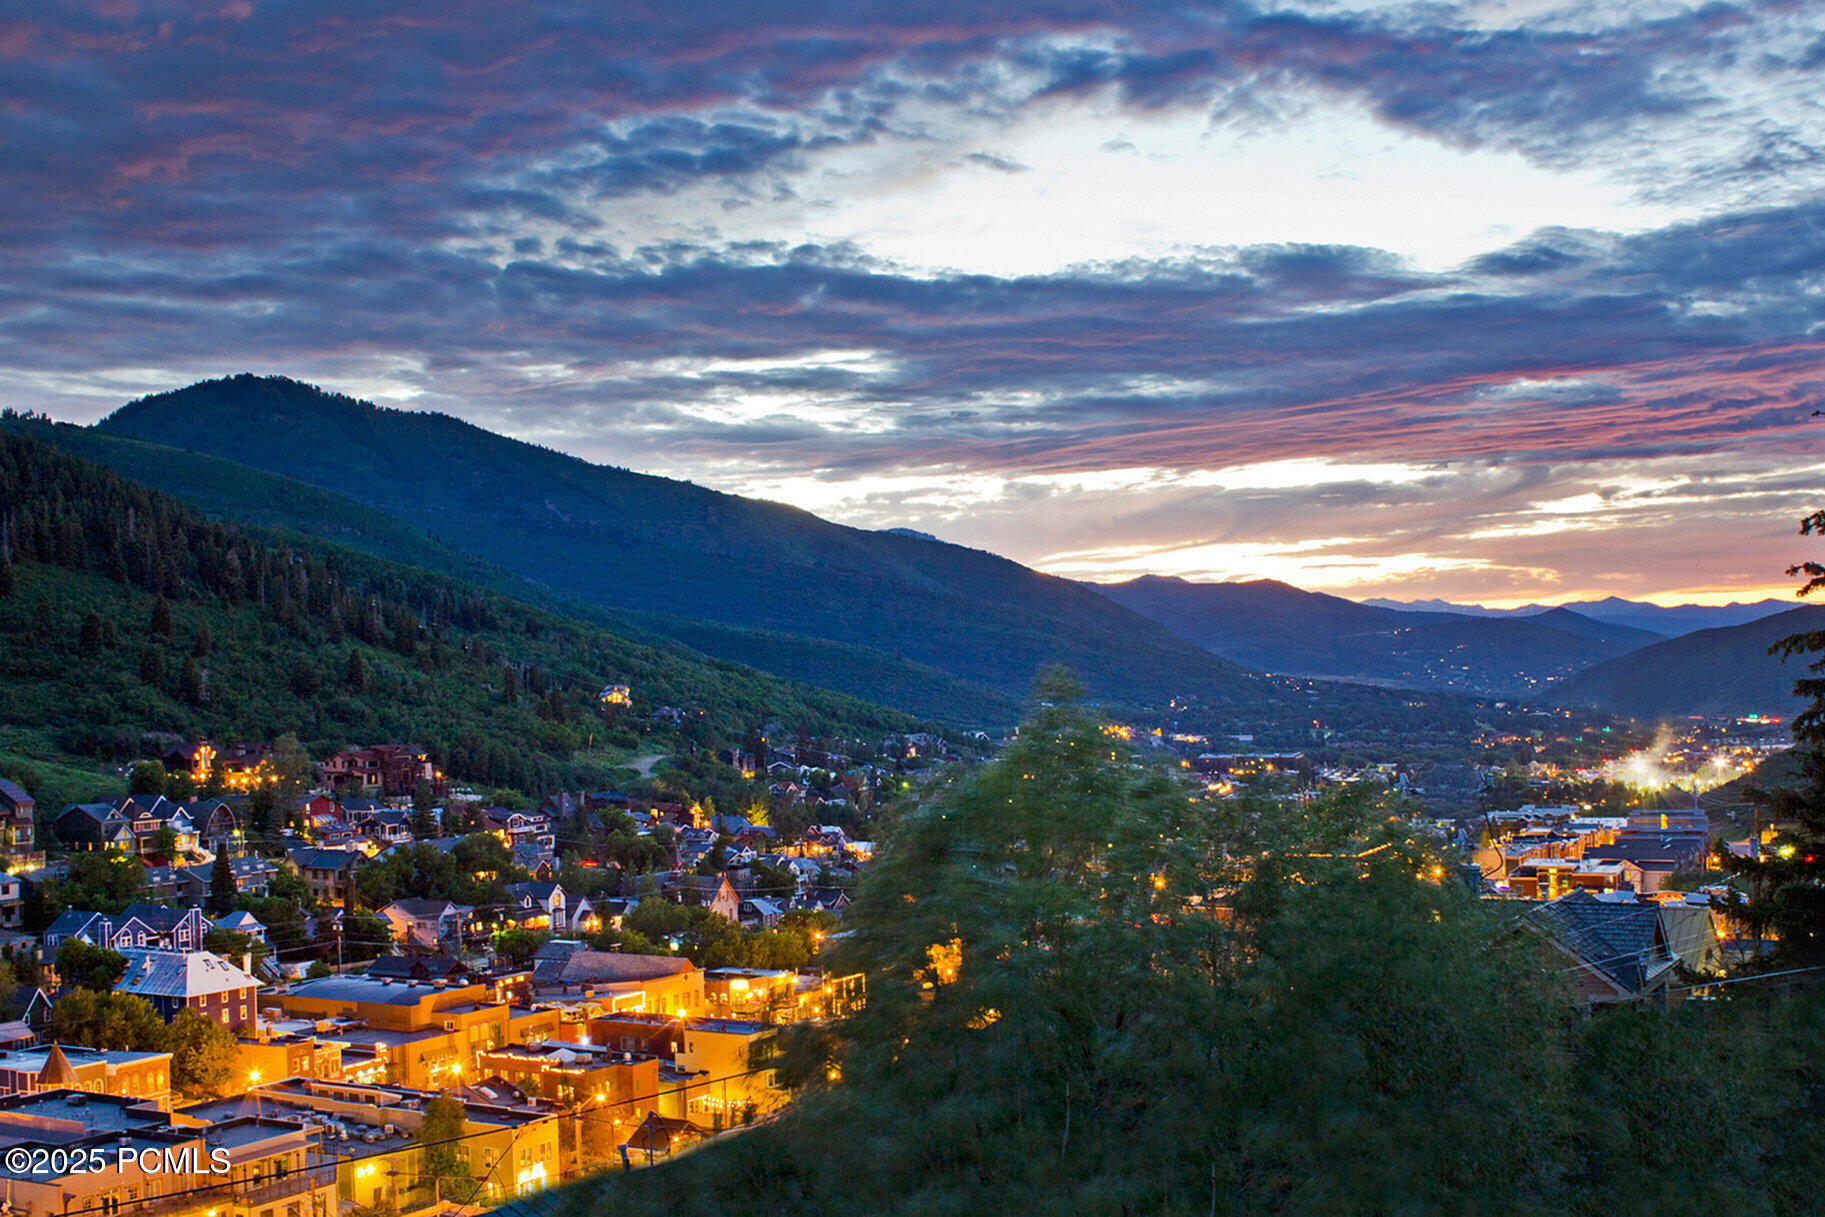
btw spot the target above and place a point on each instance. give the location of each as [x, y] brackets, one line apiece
[226, 490]
[1727, 670]
[1276, 627]
[678, 551]
[124, 611]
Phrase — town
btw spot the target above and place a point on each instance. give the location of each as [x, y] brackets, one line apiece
[391, 995]
[355, 988]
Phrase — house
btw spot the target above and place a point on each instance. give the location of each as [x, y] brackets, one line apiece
[242, 922]
[425, 922]
[382, 770]
[146, 816]
[212, 825]
[12, 901]
[520, 827]
[583, 916]
[825, 899]
[18, 826]
[169, 929]
[203, 981]
[715, 893]
[251, 875]
[1622, 948]
[92, 826]
[328, 873]
[759, 913]
[541, 898]
[384, 826]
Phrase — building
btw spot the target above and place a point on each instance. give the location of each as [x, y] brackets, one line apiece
[509, 1149]
[568, 971]
[755, 994]
[432, 924]
[18, 828]
[158, 1163]
[518, 828]
[721, 1068]
[620, 1086]
[1622, 948]
[715, 893]
[92, 826]
[144, 1076]
[292, 1050]
[414, 1033]
[382, 771]
[328, 873]
[203, 981]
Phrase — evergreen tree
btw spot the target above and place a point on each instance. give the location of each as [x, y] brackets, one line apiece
[7, 580]
[89, 642]
[160, 625]
[193, 685]
[1788, 883]
[222, 887]
[151, 668]
[356, 676]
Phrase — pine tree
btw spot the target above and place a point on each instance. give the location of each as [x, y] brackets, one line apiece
[221, 885]
[1788, 888]
[195, 689]
[161, 618]
[90, 640]
[7, 581]
[356, 677]
[151, 668]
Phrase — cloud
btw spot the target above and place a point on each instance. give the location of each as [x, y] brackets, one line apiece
[533, 216]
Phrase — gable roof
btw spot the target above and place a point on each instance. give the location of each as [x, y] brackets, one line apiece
[311, 858]
[566, 961]
[1616, 939]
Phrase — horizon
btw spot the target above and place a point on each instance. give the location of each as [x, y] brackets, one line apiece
[1492, 303]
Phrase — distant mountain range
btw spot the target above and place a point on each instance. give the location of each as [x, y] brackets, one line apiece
[893, 615]
[1275, 627]
[1669, 621]
[935, 628]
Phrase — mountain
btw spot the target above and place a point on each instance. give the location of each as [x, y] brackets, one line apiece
[1585, 626]
[1667, 621]
[675, 552]
[124, 612]
[1273, 626]
[1719, 671]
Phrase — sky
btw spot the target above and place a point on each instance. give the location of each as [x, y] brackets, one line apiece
[1495, 302]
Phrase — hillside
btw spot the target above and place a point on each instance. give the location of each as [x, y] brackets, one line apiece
[1275, 627]
[1573, 622]
[241, 493]
[1720, 671]
[629, 541]
[261, 634]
